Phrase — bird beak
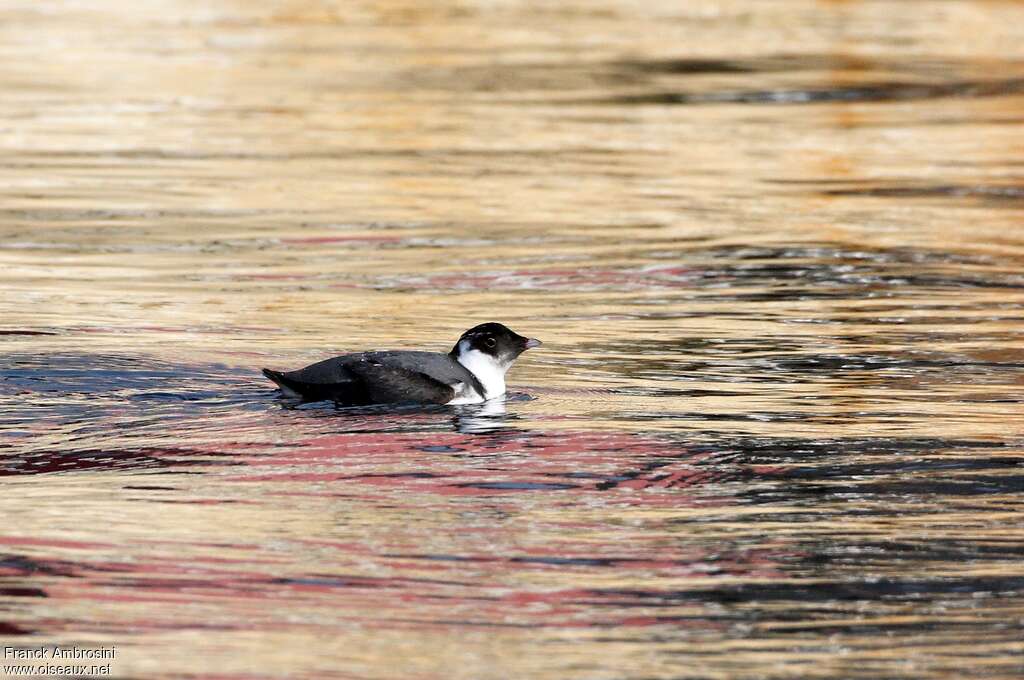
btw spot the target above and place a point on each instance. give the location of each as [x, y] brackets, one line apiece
[533, 342]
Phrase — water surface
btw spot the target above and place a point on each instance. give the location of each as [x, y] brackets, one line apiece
[773, 250]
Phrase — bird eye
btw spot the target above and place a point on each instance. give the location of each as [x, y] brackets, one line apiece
[490, 342]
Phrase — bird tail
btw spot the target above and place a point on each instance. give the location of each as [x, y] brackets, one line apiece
[281, 381]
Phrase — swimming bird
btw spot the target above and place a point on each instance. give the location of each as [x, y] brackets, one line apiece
[473, 372]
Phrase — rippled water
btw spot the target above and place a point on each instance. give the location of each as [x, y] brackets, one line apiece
[774, 251]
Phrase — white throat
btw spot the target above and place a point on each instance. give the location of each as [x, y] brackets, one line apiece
[488, 370]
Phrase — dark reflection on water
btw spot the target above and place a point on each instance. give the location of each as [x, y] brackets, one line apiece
[875, 92]
[775, 427]
[993, 193]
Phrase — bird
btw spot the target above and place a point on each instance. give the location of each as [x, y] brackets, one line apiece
[472, 372]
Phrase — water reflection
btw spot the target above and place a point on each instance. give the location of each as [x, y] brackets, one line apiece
[775, 431]
[488, 417]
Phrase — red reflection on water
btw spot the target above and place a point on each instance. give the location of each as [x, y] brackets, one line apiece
[429, 573]
[52, 542]
[518, 462]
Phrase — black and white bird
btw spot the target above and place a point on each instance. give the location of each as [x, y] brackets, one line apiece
[473, 372]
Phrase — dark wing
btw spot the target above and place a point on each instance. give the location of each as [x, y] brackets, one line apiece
[377, 377]
[440, 367]
[391, 384]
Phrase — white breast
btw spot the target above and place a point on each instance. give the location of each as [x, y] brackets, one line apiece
[487, 370]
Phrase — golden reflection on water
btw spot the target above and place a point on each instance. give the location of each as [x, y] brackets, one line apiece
[773, 250]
